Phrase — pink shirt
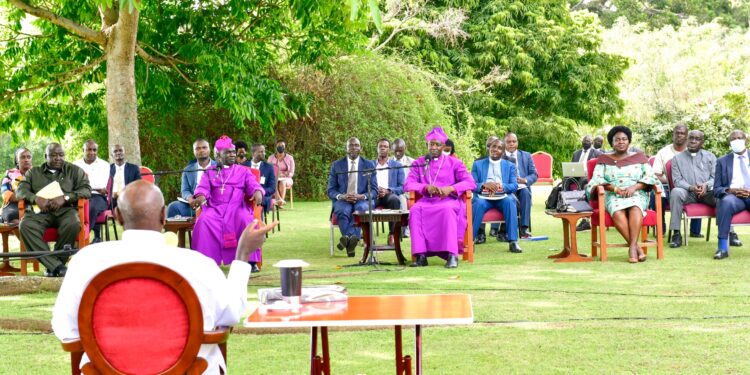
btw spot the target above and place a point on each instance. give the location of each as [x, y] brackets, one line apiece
[284, 167]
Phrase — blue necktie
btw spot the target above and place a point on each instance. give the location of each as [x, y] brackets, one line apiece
[745, 173]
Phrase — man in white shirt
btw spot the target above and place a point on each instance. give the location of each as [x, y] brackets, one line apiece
[97, 171]
[390, 182]
[142, 213]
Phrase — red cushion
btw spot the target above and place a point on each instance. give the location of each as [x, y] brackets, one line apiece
[699, 209]
[334, 221]
[543, 163]
[140, 325]
[648, 221]
[102, 218]
[743, 217]
[493, 214]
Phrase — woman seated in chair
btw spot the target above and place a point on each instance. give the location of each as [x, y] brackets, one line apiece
[10, 183]
[626, 177]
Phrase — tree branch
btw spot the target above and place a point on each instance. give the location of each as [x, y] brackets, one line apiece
[60, 78]
[163, 61]
[75, 28]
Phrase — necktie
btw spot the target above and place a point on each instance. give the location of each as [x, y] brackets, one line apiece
[351, 186]
[745, 173]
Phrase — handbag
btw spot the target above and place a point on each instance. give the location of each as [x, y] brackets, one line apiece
[573, 201]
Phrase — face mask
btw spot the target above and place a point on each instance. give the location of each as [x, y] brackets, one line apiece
[737, 145]
[447, 153]
[280, 149]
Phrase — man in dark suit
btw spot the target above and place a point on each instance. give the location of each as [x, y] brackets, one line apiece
[527, 176]
[347, 188]
[390, 182]
[121, 173]
[586, 153]
[267, 176]
[731, 187]
[496, 178]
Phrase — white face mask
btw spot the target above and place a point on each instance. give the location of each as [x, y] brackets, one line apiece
[447, 153]
[737, 145]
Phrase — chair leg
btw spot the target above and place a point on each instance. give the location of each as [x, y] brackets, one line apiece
[106, 229]
[594, 231]
[331, 239]
[602, 244]
[708, 231]
[644, 238]
[114, 228]
[278, 218]
[291, 197]
[685, 232]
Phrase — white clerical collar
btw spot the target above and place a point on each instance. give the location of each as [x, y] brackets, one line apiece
[495, 161]
[144, 236]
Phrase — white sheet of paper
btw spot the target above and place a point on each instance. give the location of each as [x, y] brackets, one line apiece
[51, 191]
[262, 180]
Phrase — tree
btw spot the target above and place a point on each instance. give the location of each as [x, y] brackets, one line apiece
[76, 65]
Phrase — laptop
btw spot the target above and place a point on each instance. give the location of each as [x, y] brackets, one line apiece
[573, 170]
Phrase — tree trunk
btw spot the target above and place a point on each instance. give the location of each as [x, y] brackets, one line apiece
[122, 104]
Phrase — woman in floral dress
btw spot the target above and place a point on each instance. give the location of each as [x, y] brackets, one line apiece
[626, 177]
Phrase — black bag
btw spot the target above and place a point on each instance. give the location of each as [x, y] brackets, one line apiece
[554, 197]
[573, 201]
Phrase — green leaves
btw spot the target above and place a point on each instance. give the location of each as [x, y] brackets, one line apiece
[375, 13]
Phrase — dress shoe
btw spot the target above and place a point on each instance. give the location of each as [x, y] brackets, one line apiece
[353, 240]
[420, 261]
[481, 238]
[696, 235]
[49, 273]
[452, 262]
[525, 233]
[583, 225]
[493, 232]
[676, 240]
[254, 268]
[60, 271]
[719, 255]
[502, 237]
[96, 240]
[343, 243]
[514, 248]
[734, 240]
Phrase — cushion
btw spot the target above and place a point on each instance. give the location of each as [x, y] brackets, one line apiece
[140, 325]
[742, 217]
[699, 209]
[493, 214]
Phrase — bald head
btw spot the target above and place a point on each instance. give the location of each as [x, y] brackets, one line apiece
[141, 206]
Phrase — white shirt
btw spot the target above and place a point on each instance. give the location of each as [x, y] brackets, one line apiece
[382, 174]
[97, 172]
[255, 165]
[223, 299]
[405, 161]
[738, 181]
[494, 173]
[118, 182]
[664, 155]
[584, 156]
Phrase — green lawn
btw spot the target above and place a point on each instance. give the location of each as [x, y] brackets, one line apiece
[687, 313]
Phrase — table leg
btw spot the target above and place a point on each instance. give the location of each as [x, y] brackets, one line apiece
[326, 357]
[566, 244]
[399, 356]
[418, 349]
[314, 370]
[397, 243]
[7, 268]
[571, 234]
[181, 238]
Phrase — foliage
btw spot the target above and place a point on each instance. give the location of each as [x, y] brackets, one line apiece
[660, 13]
[530, 67]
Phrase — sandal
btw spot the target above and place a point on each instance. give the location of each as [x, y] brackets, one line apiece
[632, 260]
[642, 258]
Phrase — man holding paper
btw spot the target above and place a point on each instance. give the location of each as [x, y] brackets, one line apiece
[54, 189]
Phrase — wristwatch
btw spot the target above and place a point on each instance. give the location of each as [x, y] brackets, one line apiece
[67, 198]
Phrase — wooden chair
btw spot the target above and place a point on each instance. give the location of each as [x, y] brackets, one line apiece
[601, 220]
[468, 244]
[690, 211]
[50, 235]
[543, 163]
[140, 318]
[148, 175]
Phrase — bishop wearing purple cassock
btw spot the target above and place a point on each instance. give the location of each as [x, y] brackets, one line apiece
[437, 220]
[225, 212]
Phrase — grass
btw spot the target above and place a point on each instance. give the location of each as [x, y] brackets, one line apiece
[686, 314]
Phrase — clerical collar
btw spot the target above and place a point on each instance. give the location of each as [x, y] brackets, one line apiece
[693, 154]
[495, 161]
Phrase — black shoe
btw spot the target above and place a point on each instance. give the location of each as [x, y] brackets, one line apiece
[96, 240]
[343, 243]
[60, 271]
[583, 225]
[719, 255]
[514, 248]
[254, 268]
[525, 233]
[696, 235]
[481, 238]
[353, 240]
[676, 240]
[48, 273]
[420, 261]
[502, 237]
[452, 262]
[493, 232]
[734, 240]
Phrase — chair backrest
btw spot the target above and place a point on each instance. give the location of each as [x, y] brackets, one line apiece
[651, 160]
[543, 164]
[668, 170]
[140, 318]
[594, 200]
[147, 174]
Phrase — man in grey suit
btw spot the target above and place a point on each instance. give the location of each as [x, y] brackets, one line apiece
[191, 176]
[693, 179]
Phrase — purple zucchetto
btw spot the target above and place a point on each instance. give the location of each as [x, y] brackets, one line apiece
[436, 134]
[223, 143]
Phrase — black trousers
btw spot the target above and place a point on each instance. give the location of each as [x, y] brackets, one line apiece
[32, 229]
[389, 201]
[97, 205]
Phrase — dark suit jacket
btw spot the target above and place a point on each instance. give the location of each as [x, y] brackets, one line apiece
[526, 167]
[723, 175]
[337, 181]
[592, 154]
[132, 173]
[480, 170]
[396, 178]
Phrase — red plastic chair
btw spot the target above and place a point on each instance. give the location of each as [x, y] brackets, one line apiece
[600, 220]
[274, 209]
[543, 163]
[691, 210]
[50, 235]
[141, 318]
[147, 174]
[107, 216]
[468, 244]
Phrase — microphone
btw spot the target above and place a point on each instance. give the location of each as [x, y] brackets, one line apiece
[428, 158]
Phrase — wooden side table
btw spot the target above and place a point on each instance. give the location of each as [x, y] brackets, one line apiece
[181, 228]
[570, 250]
[400, 218]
